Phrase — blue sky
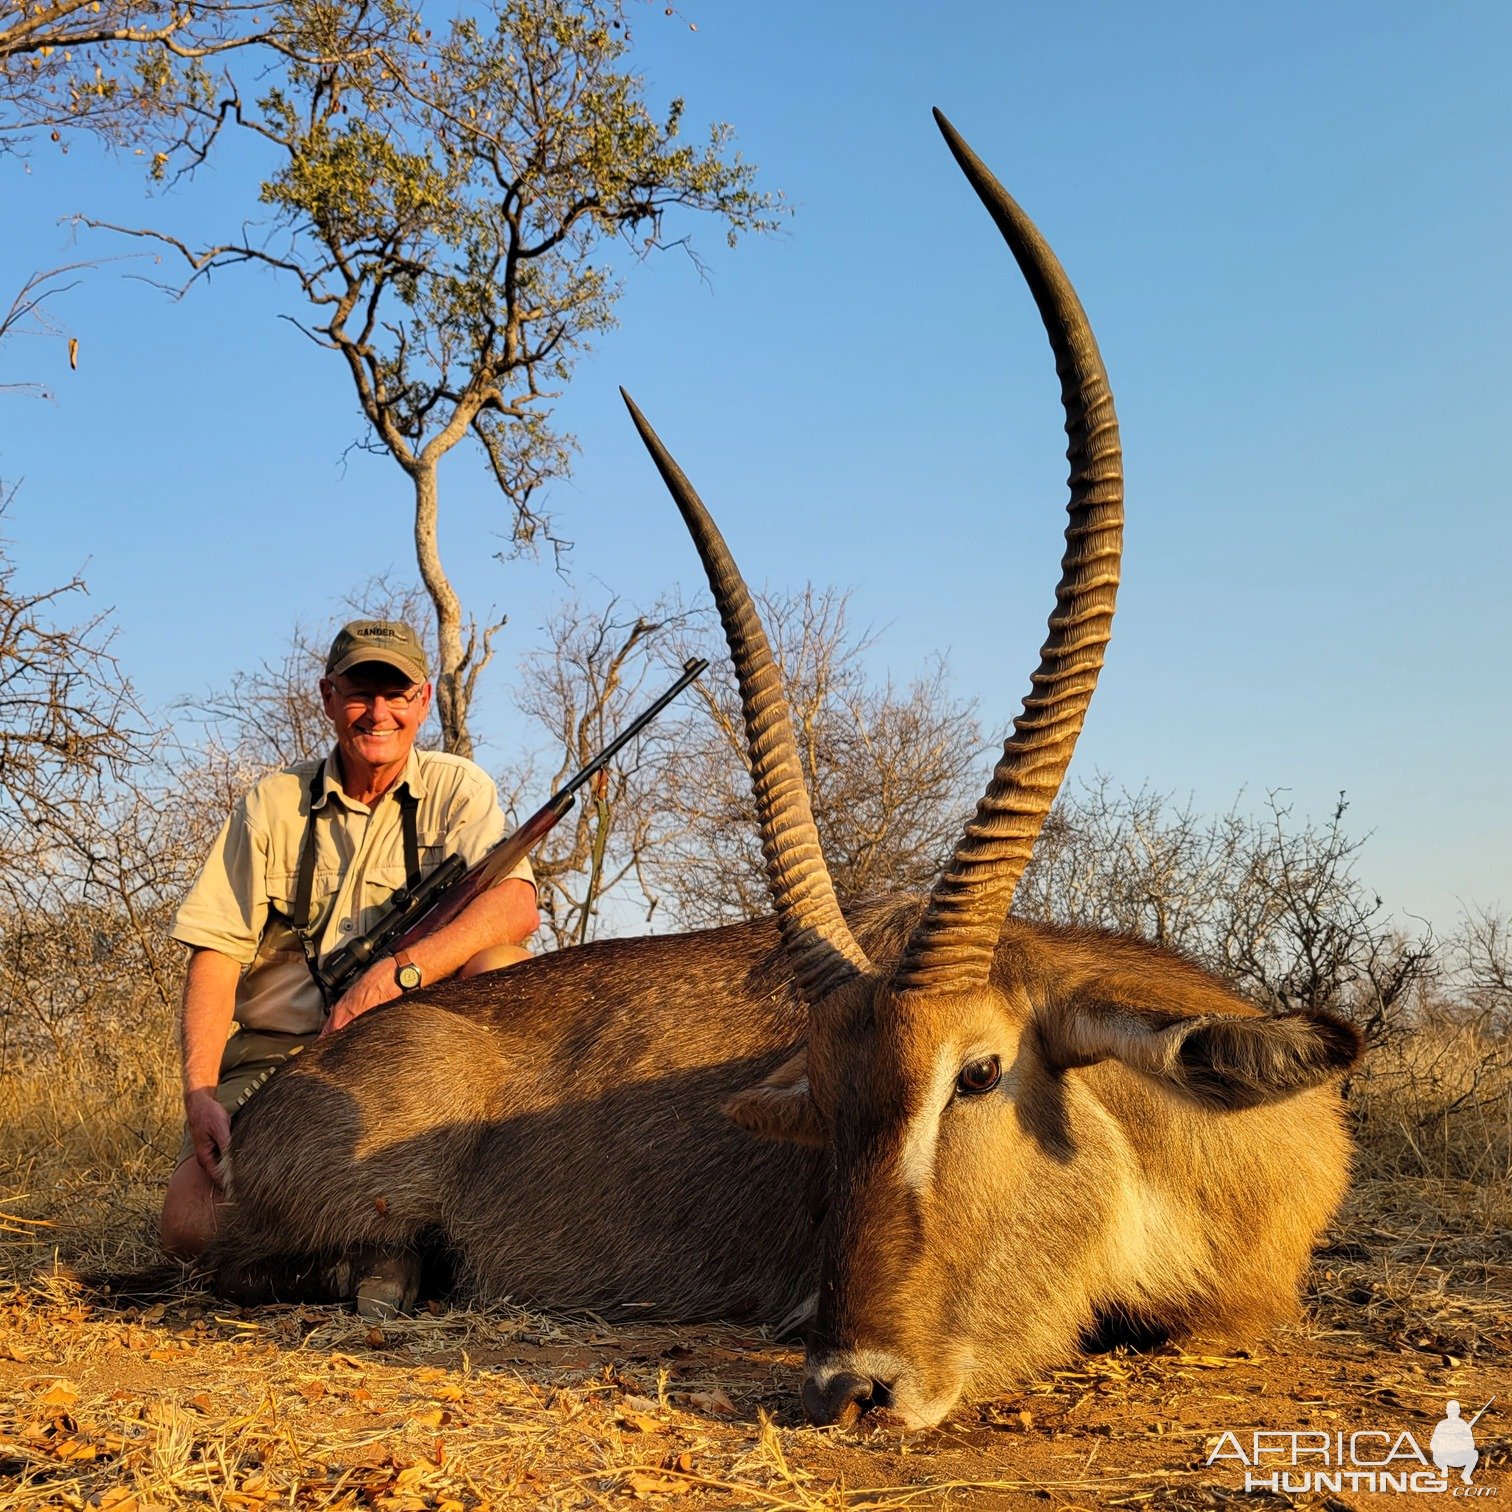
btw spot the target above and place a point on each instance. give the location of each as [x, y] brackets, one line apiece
[1289, 225]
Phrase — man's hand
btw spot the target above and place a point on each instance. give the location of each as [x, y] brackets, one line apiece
[210, 1129]
[375, 986]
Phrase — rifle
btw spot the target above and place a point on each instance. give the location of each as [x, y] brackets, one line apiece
[437, 899]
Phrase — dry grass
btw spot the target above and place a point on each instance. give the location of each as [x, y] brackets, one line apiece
[190, 1404]
[85, 1148]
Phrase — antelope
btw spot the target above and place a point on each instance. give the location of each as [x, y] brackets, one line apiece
[951, 1144]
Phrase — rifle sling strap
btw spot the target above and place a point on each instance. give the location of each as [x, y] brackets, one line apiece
[304, 887]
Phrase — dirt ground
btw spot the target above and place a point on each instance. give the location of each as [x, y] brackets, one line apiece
[190, 1403]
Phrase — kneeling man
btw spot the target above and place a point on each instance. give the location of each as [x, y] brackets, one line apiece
[307, 861]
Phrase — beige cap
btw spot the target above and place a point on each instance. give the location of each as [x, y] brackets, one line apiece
[389, 641]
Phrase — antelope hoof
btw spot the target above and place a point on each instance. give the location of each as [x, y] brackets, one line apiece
[388, 1286]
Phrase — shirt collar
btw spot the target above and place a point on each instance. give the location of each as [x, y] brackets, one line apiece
[413, 777]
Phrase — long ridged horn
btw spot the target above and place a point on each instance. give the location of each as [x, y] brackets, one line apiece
[952, 945]
[820, 947]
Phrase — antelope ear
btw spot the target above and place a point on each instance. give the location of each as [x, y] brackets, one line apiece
[1191, 1034]
[780, 1107]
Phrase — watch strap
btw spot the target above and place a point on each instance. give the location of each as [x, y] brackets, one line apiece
[404, 965]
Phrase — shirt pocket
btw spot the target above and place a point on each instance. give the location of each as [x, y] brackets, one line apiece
[279, 941]
[386, 869]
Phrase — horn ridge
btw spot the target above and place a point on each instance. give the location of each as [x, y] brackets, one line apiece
[952, 945]
[820, 947]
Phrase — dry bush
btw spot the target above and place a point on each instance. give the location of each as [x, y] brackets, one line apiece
[1438, 1102]
[71, 739]
[589, 680]
[891, 771]
[101, 831]
[67, 718]
[1269, 903]
[85, 959]
[90, 1111]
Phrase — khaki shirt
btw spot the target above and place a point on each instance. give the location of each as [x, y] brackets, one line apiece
[243, 902]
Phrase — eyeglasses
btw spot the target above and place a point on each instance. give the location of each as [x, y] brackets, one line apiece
[399, 700]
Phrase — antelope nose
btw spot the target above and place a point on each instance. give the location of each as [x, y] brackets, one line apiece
[843, 1398]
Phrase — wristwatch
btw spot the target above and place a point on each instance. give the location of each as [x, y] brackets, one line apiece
[406, 973]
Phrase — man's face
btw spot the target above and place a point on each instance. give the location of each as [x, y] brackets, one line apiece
[377, 712]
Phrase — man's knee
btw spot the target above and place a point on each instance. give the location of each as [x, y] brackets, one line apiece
[495, 958]
[190, 1213]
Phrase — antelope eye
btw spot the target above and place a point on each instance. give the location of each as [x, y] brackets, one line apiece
[979, 1076]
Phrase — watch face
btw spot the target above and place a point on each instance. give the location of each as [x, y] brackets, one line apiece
[408, 978]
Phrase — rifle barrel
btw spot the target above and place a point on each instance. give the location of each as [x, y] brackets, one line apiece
[692, 668]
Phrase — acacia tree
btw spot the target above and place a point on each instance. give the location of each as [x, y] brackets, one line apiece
[132, 71]
[446, 205]
[156, 75]
[1482, 956]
